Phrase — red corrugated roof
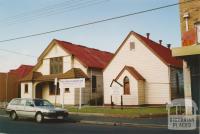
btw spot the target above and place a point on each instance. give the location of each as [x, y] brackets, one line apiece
[90, 57]
[22, 71]
[163, 52]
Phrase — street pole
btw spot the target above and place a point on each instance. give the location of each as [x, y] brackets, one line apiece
[55, 83]
[63, 93]
[80, 98]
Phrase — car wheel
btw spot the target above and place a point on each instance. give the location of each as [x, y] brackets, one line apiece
[39, 117]
[13, 115]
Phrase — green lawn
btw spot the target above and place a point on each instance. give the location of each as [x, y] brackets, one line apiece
[129, 112]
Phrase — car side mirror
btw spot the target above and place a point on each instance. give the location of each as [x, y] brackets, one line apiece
[31, 105]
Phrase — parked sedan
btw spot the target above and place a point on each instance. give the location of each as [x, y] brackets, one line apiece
[39, 109]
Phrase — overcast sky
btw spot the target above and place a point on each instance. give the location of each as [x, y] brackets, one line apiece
[25, 17]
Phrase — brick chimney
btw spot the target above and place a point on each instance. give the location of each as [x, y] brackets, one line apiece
[148, 35]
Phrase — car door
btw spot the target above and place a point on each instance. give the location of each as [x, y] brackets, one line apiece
[29, 108]
[19, 107]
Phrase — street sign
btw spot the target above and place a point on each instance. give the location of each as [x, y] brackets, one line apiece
[116, 89]
[72, 83]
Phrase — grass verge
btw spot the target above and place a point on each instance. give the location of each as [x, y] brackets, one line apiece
[128, 112]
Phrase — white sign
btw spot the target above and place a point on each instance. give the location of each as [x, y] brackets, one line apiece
[72, 83]
[180, 120]
[116, 89]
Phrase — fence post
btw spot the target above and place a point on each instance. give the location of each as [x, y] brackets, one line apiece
[112, 104]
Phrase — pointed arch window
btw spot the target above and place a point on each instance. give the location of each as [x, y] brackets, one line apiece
[126, 86]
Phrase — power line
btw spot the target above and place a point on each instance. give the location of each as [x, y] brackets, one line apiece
[18, 53]
[96, 22]
[50, 10]
[50, 7]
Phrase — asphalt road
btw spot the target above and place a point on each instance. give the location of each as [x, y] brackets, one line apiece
[56, 127]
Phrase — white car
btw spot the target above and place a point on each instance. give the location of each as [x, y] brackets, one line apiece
[39, 109]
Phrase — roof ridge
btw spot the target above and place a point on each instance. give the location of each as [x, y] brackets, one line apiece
[151, 40]
[164, 53]
[83, 46]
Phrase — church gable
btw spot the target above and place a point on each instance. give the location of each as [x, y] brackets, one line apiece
[53, 50]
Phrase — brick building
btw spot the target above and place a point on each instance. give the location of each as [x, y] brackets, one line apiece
[9, 82]
[190, 50]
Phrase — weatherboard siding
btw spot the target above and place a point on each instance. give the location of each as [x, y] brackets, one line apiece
[77, 64]
[67, 63]
[131, 99]
[147, 64]
[44, 67]
[141, 92]
[55, 51]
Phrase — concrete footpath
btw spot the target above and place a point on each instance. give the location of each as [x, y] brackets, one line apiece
[100, 119]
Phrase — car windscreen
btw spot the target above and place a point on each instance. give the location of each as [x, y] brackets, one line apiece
[42, 103]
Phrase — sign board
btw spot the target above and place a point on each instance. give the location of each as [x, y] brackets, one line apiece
[72, 83]
[116, 89]
[189, 37]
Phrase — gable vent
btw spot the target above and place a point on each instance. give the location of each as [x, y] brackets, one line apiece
[132, 45]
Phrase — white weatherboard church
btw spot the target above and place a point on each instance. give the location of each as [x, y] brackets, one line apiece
[142, 72]
[64, 60]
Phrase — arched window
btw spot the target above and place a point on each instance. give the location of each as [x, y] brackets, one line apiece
[126, 86]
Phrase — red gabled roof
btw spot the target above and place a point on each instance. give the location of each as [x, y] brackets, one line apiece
[161, 51]
[89, 57]
[21, 71]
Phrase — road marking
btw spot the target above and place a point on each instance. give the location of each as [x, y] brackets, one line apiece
[4, 116]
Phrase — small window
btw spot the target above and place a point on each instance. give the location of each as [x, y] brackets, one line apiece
[94, 84]
[26, 88]
[132, 45]
[126, 86]
[56, 65]
[66, 90]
